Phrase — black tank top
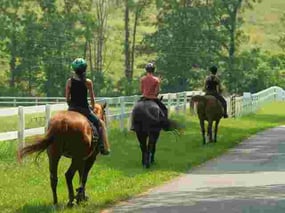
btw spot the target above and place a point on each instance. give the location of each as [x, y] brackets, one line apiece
[78, 93]
[211, 84]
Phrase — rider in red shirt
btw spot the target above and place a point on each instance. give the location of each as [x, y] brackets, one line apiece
[150, 86]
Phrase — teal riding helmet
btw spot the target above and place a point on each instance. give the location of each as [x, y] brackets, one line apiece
[78, 63]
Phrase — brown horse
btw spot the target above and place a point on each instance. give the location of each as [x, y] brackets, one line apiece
[69, 134]
[208, 109]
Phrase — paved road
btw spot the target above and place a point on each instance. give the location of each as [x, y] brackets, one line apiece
[249, 178]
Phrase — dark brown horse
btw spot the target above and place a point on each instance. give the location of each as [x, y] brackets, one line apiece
[70, 135]
[147, 122]
[208, 109]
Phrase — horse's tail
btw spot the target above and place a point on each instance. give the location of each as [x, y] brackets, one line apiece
[196, 98]
[40, 146]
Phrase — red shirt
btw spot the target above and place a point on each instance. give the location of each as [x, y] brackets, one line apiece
[150, 86]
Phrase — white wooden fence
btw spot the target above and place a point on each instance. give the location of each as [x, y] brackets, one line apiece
[119, 108]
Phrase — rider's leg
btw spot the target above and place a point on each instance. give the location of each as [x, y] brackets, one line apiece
[102, 131]
[165, 122]
[162, 107]
[105, 137]
[224, 103]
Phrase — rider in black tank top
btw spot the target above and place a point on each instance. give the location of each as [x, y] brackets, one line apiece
[78, 91]
[213, 87]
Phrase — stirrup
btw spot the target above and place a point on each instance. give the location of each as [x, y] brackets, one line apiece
[95, 138]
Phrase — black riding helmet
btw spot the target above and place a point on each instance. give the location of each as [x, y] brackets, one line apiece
[213, 70]
[150, 67]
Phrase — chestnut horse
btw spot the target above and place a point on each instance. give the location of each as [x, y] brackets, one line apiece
[208, 109]
[69, 134]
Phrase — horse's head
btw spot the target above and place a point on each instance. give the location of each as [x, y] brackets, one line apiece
[99, 110]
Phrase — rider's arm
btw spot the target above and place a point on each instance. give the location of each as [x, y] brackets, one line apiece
[67, 91]
[206, 84]
[91, 92]
[157, 88]
[141, 86]
[218, 87]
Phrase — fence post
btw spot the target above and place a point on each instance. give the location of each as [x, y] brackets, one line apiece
[168, 102]
[233, 106]
[185, 102]
[14, 102]
[177, 102]
[122, 115]
[48, 115]
[36, 101]
[130, 119]
[21, 127]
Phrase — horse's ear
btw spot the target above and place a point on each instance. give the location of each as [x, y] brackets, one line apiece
[104, 105]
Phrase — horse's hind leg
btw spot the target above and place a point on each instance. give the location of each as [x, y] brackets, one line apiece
[142, 138]
[210, 134]
[69, 174]
[53, 164]
[153, 137]
[216, 130]
[202, 125]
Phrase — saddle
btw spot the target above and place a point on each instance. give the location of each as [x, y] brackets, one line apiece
[216, 96]
[96, 131]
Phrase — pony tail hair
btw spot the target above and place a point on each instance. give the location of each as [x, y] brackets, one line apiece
[81, 73]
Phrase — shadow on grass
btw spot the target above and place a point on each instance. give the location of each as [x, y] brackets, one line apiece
[44, 208]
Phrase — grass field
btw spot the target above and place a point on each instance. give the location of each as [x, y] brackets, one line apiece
[262, 25]
[25, 188]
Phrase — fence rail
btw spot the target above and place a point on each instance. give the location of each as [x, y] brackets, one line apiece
[119, 108]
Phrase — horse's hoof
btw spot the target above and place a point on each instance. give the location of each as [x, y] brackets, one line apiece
[146, 166]
[85, 198]
[70, 204]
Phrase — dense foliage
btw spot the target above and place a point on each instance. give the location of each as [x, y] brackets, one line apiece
[40, 38]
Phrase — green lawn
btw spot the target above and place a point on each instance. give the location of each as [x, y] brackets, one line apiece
[25, 188]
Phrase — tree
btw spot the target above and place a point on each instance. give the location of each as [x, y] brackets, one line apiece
[11, 19]
[128, 72]
[187, 41]
[229, 11]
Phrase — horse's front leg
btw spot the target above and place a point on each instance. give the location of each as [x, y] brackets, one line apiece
[142, 138]
[210, 135]
[202, 125]
[216, 130]
[88, 165]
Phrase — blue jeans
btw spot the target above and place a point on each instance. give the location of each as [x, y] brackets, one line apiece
[88, 114]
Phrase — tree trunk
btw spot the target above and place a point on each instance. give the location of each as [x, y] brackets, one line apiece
[134, 41]
[127, 43]
[232, 44]
[13, 61]
[91, 61]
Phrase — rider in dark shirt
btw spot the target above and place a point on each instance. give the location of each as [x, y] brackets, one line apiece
[213, 87]
[76, 92]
